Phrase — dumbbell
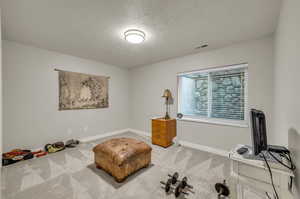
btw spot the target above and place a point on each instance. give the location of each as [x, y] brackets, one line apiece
[179, 191]
[167, 185]
[222, 189]
[185, 184]
[172, 180]
[181, 186]
[174, 177]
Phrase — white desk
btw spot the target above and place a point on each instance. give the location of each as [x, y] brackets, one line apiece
[253, 180]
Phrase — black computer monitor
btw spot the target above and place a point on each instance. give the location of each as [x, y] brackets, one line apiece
[259, 132]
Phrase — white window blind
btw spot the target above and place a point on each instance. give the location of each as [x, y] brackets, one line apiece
[217, 93]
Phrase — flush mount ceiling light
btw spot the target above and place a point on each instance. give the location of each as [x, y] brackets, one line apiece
[134, 36]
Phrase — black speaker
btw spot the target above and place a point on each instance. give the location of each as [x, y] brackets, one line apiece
[179, 115]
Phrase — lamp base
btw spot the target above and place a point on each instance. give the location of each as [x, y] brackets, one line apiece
[167, 117]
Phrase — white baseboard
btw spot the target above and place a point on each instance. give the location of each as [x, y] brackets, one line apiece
[147, 134]
[104, 135]
[108, 134]
[142, 133]
[188, 144]
[204, 148]
[92, 138]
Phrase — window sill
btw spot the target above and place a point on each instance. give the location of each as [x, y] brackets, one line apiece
[213, 121]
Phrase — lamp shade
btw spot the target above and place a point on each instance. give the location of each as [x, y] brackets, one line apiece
[167, 93]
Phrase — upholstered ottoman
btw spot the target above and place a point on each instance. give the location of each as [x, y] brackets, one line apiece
[121, 157]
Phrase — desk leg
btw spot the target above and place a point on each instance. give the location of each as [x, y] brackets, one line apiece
[284, 191]
[243, 191]
[234, 171]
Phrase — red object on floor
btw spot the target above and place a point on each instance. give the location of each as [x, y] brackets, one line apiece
[43, 153]
[37, 152]
[14, 153]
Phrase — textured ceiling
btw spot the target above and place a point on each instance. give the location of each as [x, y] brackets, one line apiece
[94, 29]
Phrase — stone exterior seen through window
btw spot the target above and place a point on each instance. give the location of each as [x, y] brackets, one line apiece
[218, 94]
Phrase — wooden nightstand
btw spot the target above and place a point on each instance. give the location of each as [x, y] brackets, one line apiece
[163, 131]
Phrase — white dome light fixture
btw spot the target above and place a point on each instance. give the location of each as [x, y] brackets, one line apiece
[134, 36]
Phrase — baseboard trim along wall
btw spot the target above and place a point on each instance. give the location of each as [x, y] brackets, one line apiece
[142, 133]
[204, 148]
[92, 138]
[188, 144]
[100, 136]
[147, 134]
[108, 134]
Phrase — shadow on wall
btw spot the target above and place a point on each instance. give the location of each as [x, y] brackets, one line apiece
[294, 146]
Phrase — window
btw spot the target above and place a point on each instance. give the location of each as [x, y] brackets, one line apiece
[217, 95]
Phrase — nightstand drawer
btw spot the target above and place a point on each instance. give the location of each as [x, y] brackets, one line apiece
[159, 131]
[159, 125]
[257, 174]
[163, 131]
[159, 136]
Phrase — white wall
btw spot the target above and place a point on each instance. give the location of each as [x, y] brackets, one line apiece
[286, 87]
[148, 82]
[30, 87]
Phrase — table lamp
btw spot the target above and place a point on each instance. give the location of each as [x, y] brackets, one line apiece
[168, 95]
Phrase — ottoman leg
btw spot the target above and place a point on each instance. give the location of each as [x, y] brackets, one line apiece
[98, 167]
[120, 180]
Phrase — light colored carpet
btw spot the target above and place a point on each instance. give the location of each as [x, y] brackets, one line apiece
[71, 174]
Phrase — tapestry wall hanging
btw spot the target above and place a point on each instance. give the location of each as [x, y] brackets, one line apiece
[82, 91]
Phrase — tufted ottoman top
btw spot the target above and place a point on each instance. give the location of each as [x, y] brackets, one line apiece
[122, 149]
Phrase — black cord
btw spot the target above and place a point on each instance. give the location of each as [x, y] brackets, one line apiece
[292, 164]
[292, 167]
[271, 176]
[268, 195]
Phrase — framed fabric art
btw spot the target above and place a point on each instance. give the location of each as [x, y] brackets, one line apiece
[82, 91]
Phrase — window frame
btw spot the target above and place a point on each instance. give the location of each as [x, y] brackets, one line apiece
[218, 121]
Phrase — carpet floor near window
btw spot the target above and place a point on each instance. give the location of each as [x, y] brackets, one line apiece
[71, 174]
